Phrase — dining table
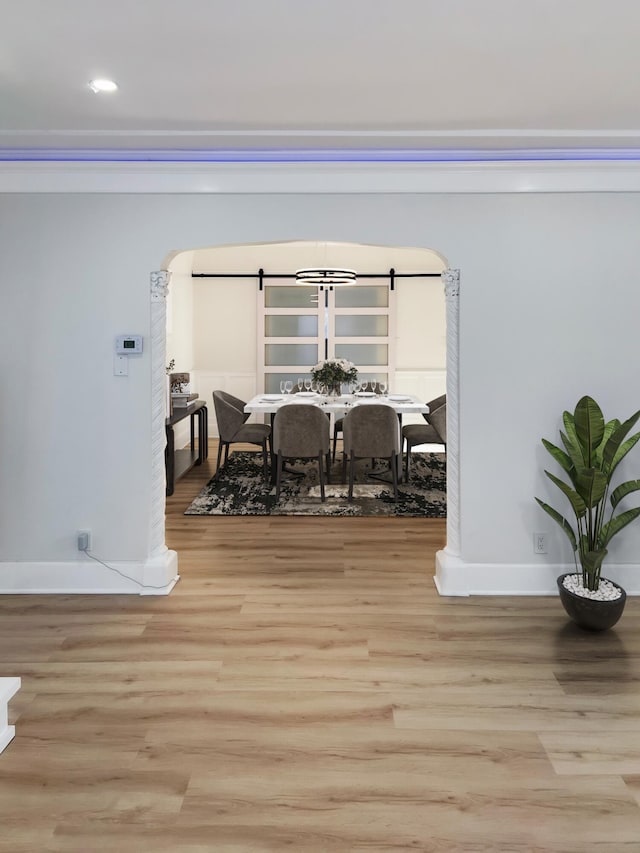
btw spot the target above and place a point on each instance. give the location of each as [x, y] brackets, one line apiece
[268, 404]
[335, 406]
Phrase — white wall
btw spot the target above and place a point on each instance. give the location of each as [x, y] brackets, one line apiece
[421, 355]
[224, 328]
[224, 339]
[421, 325]
[548, 312]
[180, 314]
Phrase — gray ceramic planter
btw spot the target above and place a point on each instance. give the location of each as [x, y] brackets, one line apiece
[588, 613]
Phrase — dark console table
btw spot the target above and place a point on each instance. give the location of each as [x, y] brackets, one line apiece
[178, 462]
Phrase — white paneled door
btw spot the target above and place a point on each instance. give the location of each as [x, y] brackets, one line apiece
[299, 325]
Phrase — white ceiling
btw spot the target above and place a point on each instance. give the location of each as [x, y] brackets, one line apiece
[295, 75]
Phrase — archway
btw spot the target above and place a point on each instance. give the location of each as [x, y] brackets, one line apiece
[160, 282]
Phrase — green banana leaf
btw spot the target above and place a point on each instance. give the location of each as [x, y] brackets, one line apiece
[609, 428]
[584, 544]
[615, 525]
[623, 490]
[589, 422]
[578, 504]
[573, 449]
[616, 439]
[591, 485]
[571, 441]
[563, 460]
[591, 562]
[570, 426]
[564, 524]
[622, 451]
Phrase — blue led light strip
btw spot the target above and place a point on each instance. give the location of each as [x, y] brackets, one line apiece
[333, 155]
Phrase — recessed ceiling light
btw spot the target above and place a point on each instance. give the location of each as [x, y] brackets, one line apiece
[103, 86]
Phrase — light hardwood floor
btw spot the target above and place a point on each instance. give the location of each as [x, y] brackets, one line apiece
[304, 688]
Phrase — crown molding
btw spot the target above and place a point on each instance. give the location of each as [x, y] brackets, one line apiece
[311, 177]
[322, 138]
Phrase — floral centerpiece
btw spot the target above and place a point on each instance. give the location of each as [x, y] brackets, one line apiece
[332, 372]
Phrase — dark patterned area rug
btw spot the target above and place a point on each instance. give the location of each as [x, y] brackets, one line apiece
[239, 489]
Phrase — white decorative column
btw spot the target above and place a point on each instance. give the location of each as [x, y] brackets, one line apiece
[160, 571]
[8, 688]
[451, 281]
[159, 291]
[452, 576]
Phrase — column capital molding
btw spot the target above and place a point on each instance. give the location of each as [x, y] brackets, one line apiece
[159, 281]
[451, 280]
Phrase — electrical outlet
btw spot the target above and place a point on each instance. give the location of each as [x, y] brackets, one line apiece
[84, 540]
[539, 543]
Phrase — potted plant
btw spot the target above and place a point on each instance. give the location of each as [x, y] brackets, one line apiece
[593, 449]
[332, 372]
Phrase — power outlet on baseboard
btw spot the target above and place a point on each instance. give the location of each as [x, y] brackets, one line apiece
[84, 540]
[539, 543]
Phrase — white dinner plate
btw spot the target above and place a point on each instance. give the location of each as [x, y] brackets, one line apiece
[271, 398]
[306, 394]
[398, 398]
[365, 394]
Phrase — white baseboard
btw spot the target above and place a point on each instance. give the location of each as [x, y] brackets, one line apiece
[160, 574]
[157, 576]
[8, 688]
[457, 577]
[7, 734]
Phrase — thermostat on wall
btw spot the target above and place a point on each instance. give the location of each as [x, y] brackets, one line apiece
[128, 344]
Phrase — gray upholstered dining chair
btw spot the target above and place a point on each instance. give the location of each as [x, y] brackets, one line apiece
[301, 431]
[371, 431]
[337, 425]
[433, 432]
[232, 427]
[337, 430]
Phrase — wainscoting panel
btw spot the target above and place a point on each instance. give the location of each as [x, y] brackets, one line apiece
[426, 383]
[242, 385]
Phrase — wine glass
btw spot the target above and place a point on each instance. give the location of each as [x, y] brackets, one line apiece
[307, 383]
[364, 385]
[288, 386]
[382, 385]
[282, 386]
[300, 383]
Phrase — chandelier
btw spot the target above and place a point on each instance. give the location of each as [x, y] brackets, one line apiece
[325, 275]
